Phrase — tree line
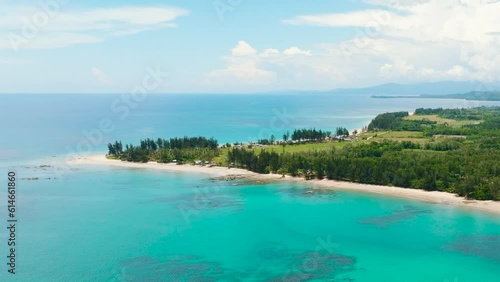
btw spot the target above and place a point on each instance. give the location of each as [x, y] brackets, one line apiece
[396, 122]
[166, 150]
[317, 135]
[305, 135]
[457, 114]
[309, 134]
[388, 121]
[465, 171]
[468, 167]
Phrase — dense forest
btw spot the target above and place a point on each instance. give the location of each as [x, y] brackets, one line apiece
[466, 162]
[469, 167]
[467, 171]
[163, 150]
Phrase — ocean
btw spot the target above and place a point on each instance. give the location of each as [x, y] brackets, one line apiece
[93, 223]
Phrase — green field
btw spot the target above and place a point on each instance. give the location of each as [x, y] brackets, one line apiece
[363, 138]
[412, 136]
[290, 148]
[366, 137]
[440, 120]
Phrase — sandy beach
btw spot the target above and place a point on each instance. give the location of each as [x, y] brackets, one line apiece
[434, 197]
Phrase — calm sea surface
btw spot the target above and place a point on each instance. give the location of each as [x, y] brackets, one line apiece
[90, 223]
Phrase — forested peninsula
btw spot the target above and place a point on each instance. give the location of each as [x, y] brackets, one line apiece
[449, 150]
[471, 96]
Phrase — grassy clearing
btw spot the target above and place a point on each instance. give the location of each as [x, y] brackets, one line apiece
[399, 136]
[309, 147]
[370, 135]
[402, 134]
[414, 140]
[367, 137]
[287, 149]
[295, 148]
[440, 120]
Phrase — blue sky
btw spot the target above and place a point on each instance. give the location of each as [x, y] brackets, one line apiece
[244, 46]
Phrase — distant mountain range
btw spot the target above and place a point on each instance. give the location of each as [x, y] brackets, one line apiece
[430, 88]
[399, 90]
[473, 95]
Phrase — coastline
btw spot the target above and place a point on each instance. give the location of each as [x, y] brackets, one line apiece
[434, 197]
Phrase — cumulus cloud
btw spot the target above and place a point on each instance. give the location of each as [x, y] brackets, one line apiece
[417, 39]
[434, 20]
[296, 51]
[40, 27]
[405, 40]
[242, 68]
[362, 18]
[270, 53]
[291, 68]
[243, 49]
[246, 73]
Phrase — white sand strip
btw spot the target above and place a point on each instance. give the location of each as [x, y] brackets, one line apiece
[414, 194]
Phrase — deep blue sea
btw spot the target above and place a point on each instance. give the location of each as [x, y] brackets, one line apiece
[93, 223]
[37, 126]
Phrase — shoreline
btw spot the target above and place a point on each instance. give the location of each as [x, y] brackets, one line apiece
[434, 197]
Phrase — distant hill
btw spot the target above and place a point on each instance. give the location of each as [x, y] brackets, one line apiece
[396, 89]
[430, 88]
[473, 95]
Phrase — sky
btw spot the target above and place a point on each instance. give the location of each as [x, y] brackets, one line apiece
[242, 46]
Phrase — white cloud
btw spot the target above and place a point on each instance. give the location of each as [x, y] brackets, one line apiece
[456, 71]
[363, 18]
[242, 68]
[101, 77]
[270, 53]
[246, 73]
[415, 40]
[117, 19]
[243, 49]
[434, 20]
[270, 67]
[37, 27]
[132, 31]
[408, 41]
[296, 51]
[401, 68]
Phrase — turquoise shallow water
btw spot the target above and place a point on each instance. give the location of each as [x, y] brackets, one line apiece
[117, 224]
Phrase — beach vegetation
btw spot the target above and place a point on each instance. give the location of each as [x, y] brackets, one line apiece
[450, 150]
